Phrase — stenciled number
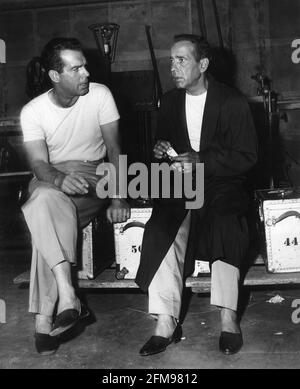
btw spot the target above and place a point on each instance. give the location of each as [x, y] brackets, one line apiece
[135, 249]
[289, 242]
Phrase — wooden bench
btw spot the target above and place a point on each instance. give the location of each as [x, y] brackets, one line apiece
[256, 276]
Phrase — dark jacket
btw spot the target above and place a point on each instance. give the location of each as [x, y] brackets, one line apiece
[228, 149]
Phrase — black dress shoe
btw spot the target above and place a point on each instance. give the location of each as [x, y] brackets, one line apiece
[230, 343]
[68, 319]
[46, 344]
[156, 344]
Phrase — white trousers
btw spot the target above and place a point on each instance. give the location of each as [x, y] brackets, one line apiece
[165, 289]
[53, 220]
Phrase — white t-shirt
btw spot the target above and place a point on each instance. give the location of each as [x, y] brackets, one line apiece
[194, 108]
[72, 133]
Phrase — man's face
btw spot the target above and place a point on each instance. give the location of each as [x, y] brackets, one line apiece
[74, 77]
[185, 70]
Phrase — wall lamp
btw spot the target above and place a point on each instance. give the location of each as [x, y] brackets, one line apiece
[106, 38]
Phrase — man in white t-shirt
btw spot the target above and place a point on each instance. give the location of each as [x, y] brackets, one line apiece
[68, 131]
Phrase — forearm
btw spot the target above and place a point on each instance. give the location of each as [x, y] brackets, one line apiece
[114, 158]
[227, 162]
[46, 172]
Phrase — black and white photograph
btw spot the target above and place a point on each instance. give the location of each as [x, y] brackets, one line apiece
[149, 188]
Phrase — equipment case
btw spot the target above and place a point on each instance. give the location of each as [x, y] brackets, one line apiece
[128, 238]
[95, 248]
[279, 212]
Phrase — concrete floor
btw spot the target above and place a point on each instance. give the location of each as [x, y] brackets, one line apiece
[120, 325]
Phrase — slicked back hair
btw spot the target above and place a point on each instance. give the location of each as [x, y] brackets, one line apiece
[202, 48]
[51, 58]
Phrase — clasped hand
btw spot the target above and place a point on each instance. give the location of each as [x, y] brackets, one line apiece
[185, 162]
[118, 211]
[76, 184]
[73, 184]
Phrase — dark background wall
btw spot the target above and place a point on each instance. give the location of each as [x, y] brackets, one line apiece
[27, 25]
[263, 35]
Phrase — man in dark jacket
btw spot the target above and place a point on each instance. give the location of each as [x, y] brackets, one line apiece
[205, 122]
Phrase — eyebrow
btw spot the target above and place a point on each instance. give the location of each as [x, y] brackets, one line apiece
[79, 66]
[178, 56]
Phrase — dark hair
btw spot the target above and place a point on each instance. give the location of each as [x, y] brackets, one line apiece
[201, 46]
[50, 57]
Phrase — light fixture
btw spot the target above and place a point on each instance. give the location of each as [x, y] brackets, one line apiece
[106, 38]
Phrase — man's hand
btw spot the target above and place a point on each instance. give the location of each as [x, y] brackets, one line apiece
[118, 211]
[160, 149]
[186, 162]
[72, 184]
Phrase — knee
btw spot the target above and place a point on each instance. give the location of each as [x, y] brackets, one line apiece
[45, 193]
[47, 196]
[47, 200]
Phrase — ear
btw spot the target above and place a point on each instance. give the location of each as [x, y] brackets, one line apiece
[54, 75]
[204, 62]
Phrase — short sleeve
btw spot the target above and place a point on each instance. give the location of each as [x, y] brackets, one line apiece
[108, 111]
[31, 128]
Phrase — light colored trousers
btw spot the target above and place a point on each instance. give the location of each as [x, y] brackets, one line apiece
[53, 219]
[165, 289]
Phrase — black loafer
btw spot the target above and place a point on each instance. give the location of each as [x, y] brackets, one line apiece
[230, 343]
[68, 319]
[46, 344]
[156, 344]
